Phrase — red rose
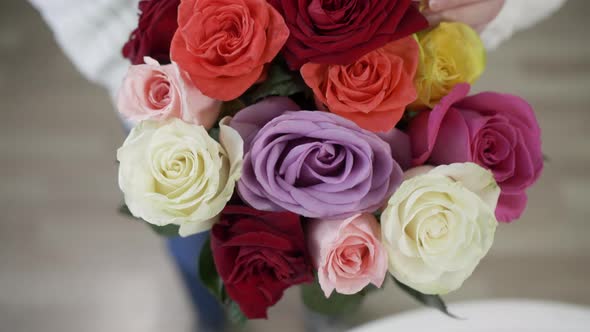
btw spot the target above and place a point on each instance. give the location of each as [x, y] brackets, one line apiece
[157, 24]
[258, 255]
[224, 45]
[338, 32]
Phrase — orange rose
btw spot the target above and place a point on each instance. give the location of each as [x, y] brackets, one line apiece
[373, 91]
[224, 44]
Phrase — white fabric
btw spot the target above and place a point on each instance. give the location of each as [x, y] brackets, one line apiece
[489, 316]
[517, 15]
[92, 32]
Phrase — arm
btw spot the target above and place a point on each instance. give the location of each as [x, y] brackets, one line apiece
[92, 33]
[517, 15]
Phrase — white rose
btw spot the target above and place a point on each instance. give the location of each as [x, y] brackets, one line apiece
[439, 224]
[173, 172]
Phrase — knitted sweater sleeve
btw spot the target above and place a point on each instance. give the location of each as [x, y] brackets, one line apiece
[517, 15]
[92, 34]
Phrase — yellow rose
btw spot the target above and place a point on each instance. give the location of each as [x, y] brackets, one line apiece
[450, 54]
[173, 172]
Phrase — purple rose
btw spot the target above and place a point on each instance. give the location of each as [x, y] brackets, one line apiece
[312, 163]
[496, 131]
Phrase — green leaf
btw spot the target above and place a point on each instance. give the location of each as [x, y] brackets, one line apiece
[230, 108]
[336, 304]
[378, 214]
[433, 301]
[235, 314]
[279, 82]
[214, 133]
[212, 281]
[167, 231]
[208, 273]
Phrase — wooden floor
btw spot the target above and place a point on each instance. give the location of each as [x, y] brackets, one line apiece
[69, 263]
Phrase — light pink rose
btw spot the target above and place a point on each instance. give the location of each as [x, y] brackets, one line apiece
[348, 254]
[155, 92]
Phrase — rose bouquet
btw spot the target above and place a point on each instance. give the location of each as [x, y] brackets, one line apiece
[323, 143]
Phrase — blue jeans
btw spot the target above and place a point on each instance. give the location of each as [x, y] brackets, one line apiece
[185, 252]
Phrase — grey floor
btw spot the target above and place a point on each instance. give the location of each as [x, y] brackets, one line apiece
[68, 262]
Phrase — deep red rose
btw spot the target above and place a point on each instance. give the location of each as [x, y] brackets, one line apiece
[157, 25]
[258, 255]
[338, 32]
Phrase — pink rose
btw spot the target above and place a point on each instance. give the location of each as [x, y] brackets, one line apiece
[496, 131]
[155, 92]
[347, 253]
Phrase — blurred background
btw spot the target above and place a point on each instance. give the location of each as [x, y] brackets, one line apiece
[69, 262]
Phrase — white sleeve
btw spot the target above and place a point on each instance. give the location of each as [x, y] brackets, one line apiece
[517, 15]
[92, 34]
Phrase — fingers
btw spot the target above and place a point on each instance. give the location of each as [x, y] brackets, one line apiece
[479, 28]
[477, 14]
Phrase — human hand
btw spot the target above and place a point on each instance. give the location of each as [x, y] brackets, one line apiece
[475, 13]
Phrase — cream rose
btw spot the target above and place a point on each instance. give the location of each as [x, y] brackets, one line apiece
[173, 172]
[439, 224]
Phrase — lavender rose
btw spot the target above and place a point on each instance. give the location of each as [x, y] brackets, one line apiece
[496, 131]
[312, 163]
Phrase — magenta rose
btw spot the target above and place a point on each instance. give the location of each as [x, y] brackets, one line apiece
[338, 32]
[496, 131]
